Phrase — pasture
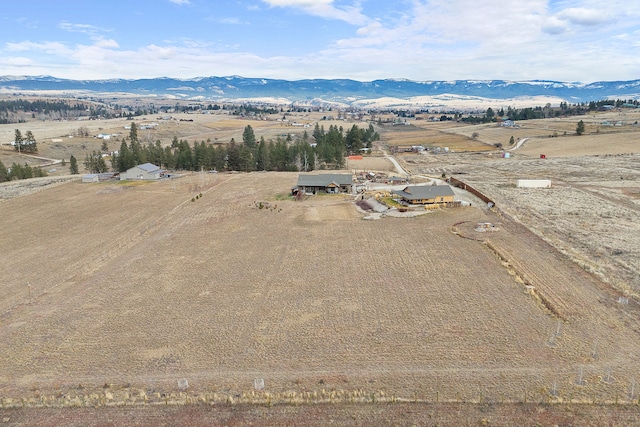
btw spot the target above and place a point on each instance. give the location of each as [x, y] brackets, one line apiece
[114, 292]
[141, 286]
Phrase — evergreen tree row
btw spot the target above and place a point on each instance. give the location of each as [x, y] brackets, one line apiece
[326, 151]
[18, 171]
[43, 106]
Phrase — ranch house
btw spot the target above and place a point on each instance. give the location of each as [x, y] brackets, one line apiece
[331, 183]
[147, 171]
[425, 194]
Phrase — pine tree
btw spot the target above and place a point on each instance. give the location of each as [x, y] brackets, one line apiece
[30, 143]
[580, 128]
[19, 139]
[4, 174]
[73, 166]
[15, 171]
[125, 159]
[249, 137]
[233, 157]
[263, 161]
[133, 133]
[245, 159]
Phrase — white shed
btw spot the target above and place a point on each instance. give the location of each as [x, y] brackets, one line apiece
[91, 177]
[533, 183]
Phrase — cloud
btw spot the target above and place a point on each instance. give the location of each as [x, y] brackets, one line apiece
[585, 17]
[422, 40]
[442, 25]
[107, 44]
[180, 2]
[54, 48]
[324, 9]
[91, 30]
[554, 26]
[158, 52]
[227, 20]
[18, 61]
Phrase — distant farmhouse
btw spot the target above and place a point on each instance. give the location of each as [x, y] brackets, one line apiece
[331, 183]
[425, 194]
[147, 171]
[508, 124]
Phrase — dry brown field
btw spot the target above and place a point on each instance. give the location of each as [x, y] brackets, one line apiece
[431, 135]
[559, 134]
[137, 286]
[592, 211]
[113, 292]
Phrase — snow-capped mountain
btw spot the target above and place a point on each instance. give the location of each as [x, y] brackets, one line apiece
[334, 90]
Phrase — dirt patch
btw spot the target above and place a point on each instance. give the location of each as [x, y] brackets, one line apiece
[440, 414]
[13, 189]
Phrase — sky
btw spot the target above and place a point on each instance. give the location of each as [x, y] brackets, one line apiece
[423, 40]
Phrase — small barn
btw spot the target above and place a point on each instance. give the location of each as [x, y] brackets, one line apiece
[332, 183]
[425, 194]
[91, 177]
[147, 171]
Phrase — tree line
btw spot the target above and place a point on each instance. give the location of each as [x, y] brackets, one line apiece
[22, 144]
[324, 149]
[530, 113]
[18, 171]
[16, 111]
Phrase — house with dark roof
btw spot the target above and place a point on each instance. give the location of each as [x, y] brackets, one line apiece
[425, 194]
[332, 183]
[147, 171]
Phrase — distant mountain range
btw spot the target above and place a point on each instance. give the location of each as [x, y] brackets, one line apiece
[319, 90]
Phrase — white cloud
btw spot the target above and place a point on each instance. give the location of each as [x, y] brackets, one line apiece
[180, 2]
[228, 20]
[153, 52]
[324, 9]
[82, 28]
[585, 17]
[370, 29]
[554, 26]
[54, 48]
[298, 3]
[449, 39]
[18, 61]
[107, 43]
